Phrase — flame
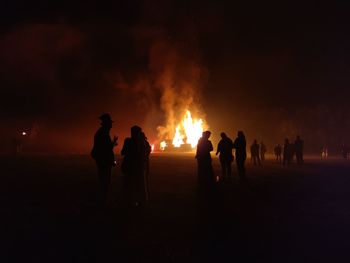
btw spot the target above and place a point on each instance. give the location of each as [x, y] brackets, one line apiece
[152, 148]
[191, 129]
[188, 131]
[163, 145]
[178, 138]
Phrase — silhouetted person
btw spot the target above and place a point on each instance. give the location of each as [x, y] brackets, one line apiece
[278, 153]
[255, 151]
[299, 150]
[148, 150]
[205, 169]
[225, 147]
[103, 154]
[344, 150]
[241, 154]
[291, 151]
[262, 151]
[286, 152]
[133, 167]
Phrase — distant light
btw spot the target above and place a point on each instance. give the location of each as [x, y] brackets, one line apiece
[152, 147]
[24, 133]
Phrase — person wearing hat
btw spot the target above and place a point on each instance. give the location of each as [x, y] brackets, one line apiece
[102, 152]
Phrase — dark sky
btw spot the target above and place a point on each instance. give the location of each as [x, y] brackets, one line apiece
[271, 68]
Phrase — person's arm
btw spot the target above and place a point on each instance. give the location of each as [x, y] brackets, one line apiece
[125, 146]
[235, 144]
[218, 149]
[115, 141]
[210, 146]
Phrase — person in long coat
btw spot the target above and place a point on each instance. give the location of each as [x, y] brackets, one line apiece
[133, 167]
[241, 154]
[204, 161]
[102, 152]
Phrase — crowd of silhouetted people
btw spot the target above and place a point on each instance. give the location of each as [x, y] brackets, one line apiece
[136, 151]
[135, 164]
[345, 151]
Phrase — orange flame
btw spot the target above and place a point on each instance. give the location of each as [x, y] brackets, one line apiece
[189, 128]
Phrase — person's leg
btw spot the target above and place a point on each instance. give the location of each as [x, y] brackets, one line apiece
[240, 168]
[223, 168]
[229, 171]
[104, 175]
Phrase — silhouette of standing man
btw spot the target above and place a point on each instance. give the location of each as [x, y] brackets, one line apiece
[241, 154]
[299, 148]
[225, 147]
[278, 153]
[205, 169]
[286, 152]
[255, 152]
[102, 152]
[263, 150]
[148, 150]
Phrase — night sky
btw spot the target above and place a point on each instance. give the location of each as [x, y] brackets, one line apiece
[273, 69]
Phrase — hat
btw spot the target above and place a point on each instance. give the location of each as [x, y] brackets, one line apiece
[106, 118]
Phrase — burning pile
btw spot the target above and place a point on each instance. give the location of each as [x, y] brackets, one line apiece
[187, 134]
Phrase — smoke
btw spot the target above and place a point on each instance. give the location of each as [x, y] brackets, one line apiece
[141, 75]
[177, 75]
[169, 85]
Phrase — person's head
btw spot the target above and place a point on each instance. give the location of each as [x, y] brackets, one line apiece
[240, 134]
[135, 131]
[298, 137]
[255, 141]
[106, 120]
[223, 135]
[286, 140]
[206, 134]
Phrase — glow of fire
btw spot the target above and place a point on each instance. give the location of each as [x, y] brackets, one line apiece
[152, 147]
[191, 129]
[178, 137]
[24, 133]
[162, 145]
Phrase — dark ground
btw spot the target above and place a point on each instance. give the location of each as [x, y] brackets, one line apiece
[49, 213]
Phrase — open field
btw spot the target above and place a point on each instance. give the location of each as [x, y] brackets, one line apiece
[49, 213]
